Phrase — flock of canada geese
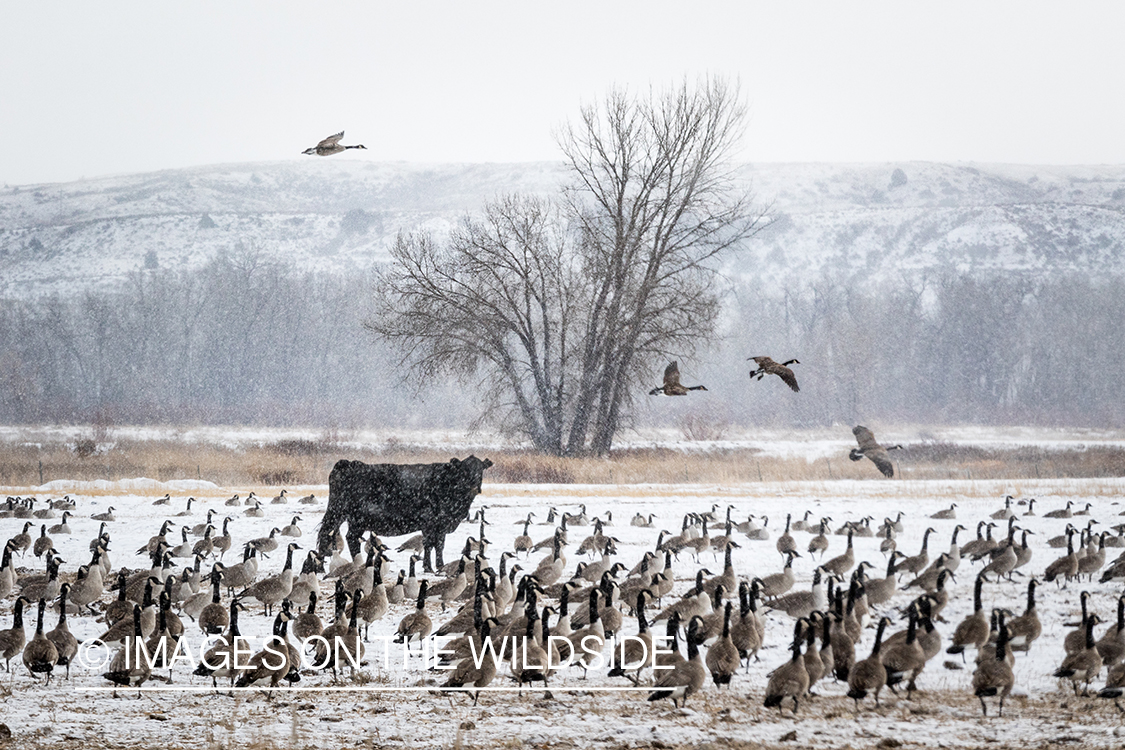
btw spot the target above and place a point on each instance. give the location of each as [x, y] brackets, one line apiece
[570, 613]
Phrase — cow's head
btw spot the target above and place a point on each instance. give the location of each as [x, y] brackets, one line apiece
[472, 467]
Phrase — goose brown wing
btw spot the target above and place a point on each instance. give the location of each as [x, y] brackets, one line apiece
[865, 438]
[672, 374]
[787, 375]
[331, 140]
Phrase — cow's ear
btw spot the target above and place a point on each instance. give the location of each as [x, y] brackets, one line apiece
[487, 462]
[455, 461]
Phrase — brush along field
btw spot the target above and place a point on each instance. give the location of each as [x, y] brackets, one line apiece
[387, 705]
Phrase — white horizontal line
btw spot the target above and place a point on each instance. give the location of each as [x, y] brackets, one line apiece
[434, 689]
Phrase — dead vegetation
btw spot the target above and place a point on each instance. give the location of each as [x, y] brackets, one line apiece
[307, 461]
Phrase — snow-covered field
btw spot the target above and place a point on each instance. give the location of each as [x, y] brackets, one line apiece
[187, 713]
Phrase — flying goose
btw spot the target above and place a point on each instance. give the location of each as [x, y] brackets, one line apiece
[330, 145]
[672, 386]
[870, 448]
[767, 366]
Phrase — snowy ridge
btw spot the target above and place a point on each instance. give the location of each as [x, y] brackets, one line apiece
[869, 219]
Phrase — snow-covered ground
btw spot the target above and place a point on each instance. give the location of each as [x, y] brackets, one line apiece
[82, 713]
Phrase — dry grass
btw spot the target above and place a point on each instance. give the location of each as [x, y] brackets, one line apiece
[298, 462]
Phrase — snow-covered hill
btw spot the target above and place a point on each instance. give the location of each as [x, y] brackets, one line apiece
[337, 216]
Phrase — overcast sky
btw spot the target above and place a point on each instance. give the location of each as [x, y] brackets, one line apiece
[89, 89]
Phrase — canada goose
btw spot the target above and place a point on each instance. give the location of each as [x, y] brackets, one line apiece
[801, 524]
[185, 548]
[219, 660]
[672, 386]
[266, 544]
[767, 366]
[802, 603]
[869, 675]
[479, 673]
[1059, 541]
[270, 591]
[309, 499]
[903, 656]
[7, 572]
[21, 542]
[993, 676]
[1006, 512]
[256, 511]
[308, 623]
[330, 145]
[973, 630]
[223, 541]
[42, 542]
[870, 448]
[745, 632]
[636, 652]
[685, 678]
[40, 654]
[841, 564]
[1075, 640]
[819, 543]
[523, 541]
[1084, 665]
[947, 514]
[126, 669]
[843, 647]
[233, 500]
[1065, 567]
[642, 521]
[242, 574]
[1112, 643]
[916, 563]
[1061, 512]
[1114, 684]
[205, 547]
[588, 642]
[292, 529]
[272, 664]
[166, 500]
[786, 543]
[953, 557]
[815, 664]
[65, 642]
[62, 527]
[417, 623]
[888, 544]
[529, 661]
[754, 531]
[164, 642]
[106, 516]
[1023, 630]
[88, 590]
[371, 606]
[880, 590]
[279, 498]
[722, 658]
[776, 584]
[186, 511]
[790, 680]
[214, 617]
[1088, 565]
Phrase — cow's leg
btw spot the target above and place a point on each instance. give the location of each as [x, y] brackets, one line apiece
[426, 547]
[439, 545]
[354, 542]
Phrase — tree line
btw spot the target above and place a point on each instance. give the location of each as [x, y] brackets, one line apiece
[245, 342]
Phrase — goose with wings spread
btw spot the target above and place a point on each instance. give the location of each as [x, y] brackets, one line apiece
[330, 145]
[767, 366]
[870, 448]
[672, 385]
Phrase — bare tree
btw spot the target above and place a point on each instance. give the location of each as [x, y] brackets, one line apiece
[497, 299]
[568, 318]
[656, 198]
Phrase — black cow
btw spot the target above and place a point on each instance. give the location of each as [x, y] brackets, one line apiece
[396, 499]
